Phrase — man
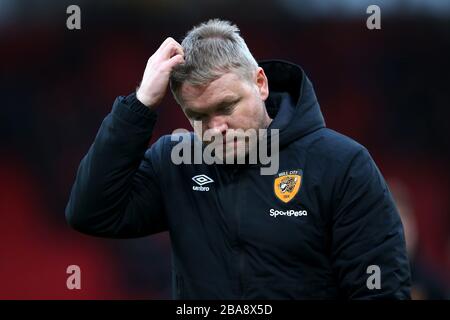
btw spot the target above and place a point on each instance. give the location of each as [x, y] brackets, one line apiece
[324, 226]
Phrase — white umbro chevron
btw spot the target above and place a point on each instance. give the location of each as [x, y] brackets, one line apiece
[201, 180]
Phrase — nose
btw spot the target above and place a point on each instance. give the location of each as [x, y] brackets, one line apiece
[218, 124]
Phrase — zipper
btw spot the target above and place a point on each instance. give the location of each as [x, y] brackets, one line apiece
[238, 209]
[241, 272]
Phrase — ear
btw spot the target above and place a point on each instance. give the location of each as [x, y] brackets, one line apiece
[262, 83]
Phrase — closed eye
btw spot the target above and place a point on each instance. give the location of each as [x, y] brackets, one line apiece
[195, 116]
[228, 108]
[225, 108]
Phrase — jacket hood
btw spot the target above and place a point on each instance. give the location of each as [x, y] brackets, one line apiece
[292, 102]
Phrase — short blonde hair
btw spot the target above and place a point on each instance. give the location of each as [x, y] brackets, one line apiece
[212, 49]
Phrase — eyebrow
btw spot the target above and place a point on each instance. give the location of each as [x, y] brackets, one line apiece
[226, 101]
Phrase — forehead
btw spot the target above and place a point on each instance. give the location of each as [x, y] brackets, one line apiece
[227, 86]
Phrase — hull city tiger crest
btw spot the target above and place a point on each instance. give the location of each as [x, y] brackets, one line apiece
[287, 184]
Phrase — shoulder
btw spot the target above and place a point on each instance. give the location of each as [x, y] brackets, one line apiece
[335, 147]
[163, 147]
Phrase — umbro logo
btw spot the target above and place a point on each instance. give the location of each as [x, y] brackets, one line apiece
[201, 180]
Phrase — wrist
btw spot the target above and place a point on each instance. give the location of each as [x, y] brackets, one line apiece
[146, 101]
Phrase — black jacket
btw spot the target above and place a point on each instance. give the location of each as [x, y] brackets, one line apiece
[238, 239]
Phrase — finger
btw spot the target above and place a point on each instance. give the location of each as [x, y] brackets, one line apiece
[175, 60]
[162, 47]
[172, 50]
[165, 43]
[169, 41]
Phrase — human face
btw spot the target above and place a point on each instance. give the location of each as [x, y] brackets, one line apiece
[228, 102]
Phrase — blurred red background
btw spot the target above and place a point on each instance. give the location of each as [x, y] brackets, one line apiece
[387, 89]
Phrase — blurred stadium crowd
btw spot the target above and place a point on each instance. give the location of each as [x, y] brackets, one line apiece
[387, 89]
